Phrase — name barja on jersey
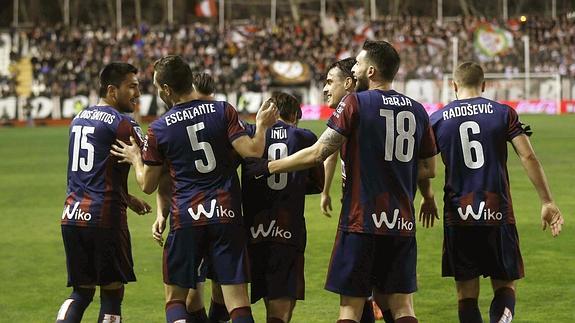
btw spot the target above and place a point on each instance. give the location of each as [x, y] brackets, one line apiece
[190, 113]
[467, 110]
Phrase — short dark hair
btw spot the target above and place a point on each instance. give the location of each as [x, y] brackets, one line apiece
[114, 74]
[204, 83]
[175, 72]
[344, 65]
[384, 57]
[287, 105]
[468, 74]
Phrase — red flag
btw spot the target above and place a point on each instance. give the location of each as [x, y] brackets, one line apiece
[206, 8]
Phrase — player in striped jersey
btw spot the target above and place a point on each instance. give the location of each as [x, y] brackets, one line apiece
[198, 139]
[94, 223]
[480, 237]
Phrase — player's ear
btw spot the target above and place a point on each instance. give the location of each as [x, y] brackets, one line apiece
[348, 84]
[112, 92]
[370, 71]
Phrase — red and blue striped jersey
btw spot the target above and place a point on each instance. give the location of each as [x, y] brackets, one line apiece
[472, 137]
[194, 140]
[97, 183]
[274, 205]
[387, 133]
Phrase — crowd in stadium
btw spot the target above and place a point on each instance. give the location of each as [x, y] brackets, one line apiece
[67, 61]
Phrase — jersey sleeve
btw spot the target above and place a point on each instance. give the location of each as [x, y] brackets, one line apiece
[428, 147]
[250, 128]
[514, 127]
[235, 127]
[151, 154]
[344, 118]
[129, 128]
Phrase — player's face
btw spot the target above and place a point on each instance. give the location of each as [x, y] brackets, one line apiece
[128, 94]
[360, 70]
[334, 88]
[163, 93]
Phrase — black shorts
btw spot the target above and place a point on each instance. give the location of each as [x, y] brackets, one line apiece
[361, 262]
[219, 249]
[491, 251]
[97, 256]
[277, 271]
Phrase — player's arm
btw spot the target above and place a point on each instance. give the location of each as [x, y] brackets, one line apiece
[254, 146]
[147, 176]
[329, 142]
[163, 197]
[329, 166]
[550, 213]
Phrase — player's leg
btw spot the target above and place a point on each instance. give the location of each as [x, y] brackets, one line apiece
[115, 267]
[237, 302]
[503, 304]
[395, 275]
[467, 295]
[195, 303]
[74, 306]
[463, 255]
[279, 310]
[176, 304]
[350, 272]
[277, 271]
[228, 263]
[111, 296]
[382, 303]
[182, 265]
[81, 276]
[218, 311]
[506, 267]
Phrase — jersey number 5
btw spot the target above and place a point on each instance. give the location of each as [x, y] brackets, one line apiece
[404, 142]
[201, 166]
[81, 142]
[471, 147]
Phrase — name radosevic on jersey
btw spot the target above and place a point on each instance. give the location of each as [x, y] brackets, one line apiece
[387, 133]
[472, 136]
[97, 183]
[194, 140]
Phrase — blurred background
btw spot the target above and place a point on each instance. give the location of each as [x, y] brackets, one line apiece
[51, 51]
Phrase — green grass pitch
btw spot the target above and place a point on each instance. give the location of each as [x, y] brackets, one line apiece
[33, 273]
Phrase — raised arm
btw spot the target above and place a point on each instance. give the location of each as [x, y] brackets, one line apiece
[254, 147]
[329, 142]
[550, 213]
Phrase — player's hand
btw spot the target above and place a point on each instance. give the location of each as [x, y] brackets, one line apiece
[551, 217]
[255, 167]
[325, 205]
[428, 212]
[138, 206]
[267, 115]
[158, 229]
[127, 153]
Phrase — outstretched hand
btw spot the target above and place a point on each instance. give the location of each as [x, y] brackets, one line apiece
[551, 217]
[127, 153]
[428, 212]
